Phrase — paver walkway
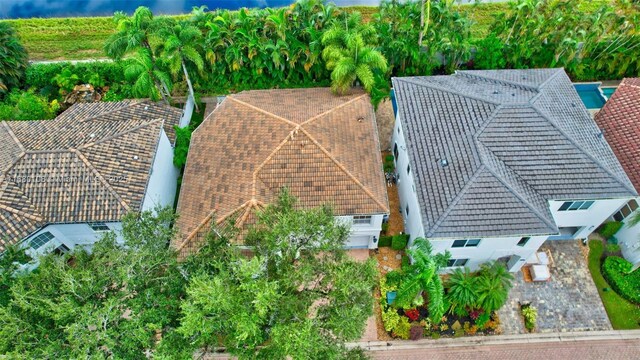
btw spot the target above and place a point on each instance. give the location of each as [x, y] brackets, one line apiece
[568, 302]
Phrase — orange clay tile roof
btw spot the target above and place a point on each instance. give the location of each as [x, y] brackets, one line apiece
[323, 147]
[78, 167]
[619, 119]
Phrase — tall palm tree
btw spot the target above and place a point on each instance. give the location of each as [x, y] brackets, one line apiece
[422, 275]
[350, 54]
[133, 33]
[13, 58]
[180, 50]
[149, 81]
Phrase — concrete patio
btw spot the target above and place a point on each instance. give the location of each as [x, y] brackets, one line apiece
[569, 301]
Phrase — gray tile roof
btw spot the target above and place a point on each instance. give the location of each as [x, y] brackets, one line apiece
[514, 139]
[90, 164]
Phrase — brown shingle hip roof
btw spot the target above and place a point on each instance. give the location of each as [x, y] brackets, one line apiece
[322, 147]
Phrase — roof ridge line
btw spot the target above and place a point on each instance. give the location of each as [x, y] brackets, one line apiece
[206, 220]
[512, 189]
[332, 109]
[101, 178]
[470, 73]
[255, 172]
[113, 136]
[130, 101]
[582, 150]
[262, 110]
[21, 213]
[13, 135]
[553, 76]
[353, 178]
[440, 88]
[455, 200]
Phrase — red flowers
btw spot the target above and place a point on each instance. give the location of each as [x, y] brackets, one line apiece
[412, 314]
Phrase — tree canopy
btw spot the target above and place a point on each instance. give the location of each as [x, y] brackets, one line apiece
[13, 58]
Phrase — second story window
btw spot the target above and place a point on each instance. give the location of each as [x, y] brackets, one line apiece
[362, 220]
[575, 205]
[466, 243]
[99, 227]
[626, 210]
[40, 240]
[523, 241]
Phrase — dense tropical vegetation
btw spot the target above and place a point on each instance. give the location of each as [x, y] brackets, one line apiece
[13, 58]
[299, 296]
[415, 301]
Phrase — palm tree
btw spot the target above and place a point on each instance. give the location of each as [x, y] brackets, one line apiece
[133, 33]
[422, 275]
[149, 81]
[461, 291]
[181, 49]
[350, 54]
[494, 282]
[13, 58]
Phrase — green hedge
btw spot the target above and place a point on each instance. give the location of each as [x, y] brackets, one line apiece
[399, 241]
[616, 271]
[385, 241]
[609, 229]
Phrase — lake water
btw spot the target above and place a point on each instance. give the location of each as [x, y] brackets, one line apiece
[13, 9]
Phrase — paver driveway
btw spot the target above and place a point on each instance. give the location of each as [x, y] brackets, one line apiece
[568, 302]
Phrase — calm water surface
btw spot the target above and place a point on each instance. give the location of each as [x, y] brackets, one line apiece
[13, 9]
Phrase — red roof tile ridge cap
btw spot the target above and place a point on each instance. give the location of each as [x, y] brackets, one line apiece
[333, 109]
[262, 111]
[116, 135]
[101, 178]
[347, 172]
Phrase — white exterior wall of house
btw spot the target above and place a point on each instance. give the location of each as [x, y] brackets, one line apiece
[586, 220]
[490, 249]
[406, 186]
[71, 235]
[629, 240]
[163, 182]
[363, 236]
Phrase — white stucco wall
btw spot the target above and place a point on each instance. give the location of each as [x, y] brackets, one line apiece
[588, 220]
[161, 188]
[629, 240]
[363, 235]
[406, 186]
[71, 235]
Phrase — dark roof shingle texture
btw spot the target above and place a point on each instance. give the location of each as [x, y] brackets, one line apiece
[78, 167]
[619, 119]
[324, 148]
[514, 139]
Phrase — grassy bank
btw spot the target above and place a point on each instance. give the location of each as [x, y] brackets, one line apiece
[622, 314]
[83, 37]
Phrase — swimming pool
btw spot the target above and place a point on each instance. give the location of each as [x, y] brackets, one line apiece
[591, 95]
[608, 91]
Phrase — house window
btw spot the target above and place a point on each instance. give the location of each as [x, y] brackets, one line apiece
[362, 220]
[466, 243]
[62, 249]
[406, 210]
[408, 169]
[626, 210]
[575, 205]
[99, 227]
[38, 241]
[395, 151]
[457, 262]
[523, 241]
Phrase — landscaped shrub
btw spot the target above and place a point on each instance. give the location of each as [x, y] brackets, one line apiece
[399, 241]
[612, 248]
[390, 319]
[412, 314]
[27, 106]
[385, 241]
[530, 315]
[404, 263]
[609, 229]
[402, 329]
[616, 271]
[483, 319]
[385, 228]
[183, 138]
[394, 278]
[416, 332]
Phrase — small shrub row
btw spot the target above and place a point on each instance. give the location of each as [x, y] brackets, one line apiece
[616, 271]
[385, 241]
[609, 229]
[399, 241]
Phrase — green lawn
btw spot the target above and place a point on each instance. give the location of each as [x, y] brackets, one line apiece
[623, 314]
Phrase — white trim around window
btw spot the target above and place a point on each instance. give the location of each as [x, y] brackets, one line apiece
[362, 220]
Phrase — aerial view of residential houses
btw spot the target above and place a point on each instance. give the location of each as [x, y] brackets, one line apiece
[310, 180]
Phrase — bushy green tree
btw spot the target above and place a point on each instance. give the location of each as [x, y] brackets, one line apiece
[423, 275]
[13, 58]
[132, 33]
[148, 80]
[27, 106]
[494, 283]
[350, 54]
[299, 296]
[462, 292]
[118, 301]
